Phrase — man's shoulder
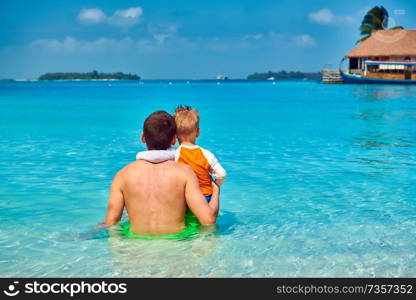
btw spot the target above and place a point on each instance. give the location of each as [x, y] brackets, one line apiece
[133, 164]
[177, 167]
[186, 171]
[142, 164]
[183, 167]
[132, 167]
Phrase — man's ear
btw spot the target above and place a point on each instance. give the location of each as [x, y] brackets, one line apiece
[143, 139]
[198, 132]
[174, 140]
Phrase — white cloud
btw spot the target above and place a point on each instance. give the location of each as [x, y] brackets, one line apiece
[325, 16]
[304, 40]
[161, 32]
[256, 37]
[73, 45]
[127, 45]
[160, 37]
[154, 43]
[127, 17]
[159, 42]
[67, 45]
[274, 35]
[91, 16]
[121, 17]
[163, 28]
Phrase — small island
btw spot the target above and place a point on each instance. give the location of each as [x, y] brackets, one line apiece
[284, 75]
[94, 75]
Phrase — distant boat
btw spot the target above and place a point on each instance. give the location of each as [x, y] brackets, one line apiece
[221, 77]
[271, 78]
[387, 56]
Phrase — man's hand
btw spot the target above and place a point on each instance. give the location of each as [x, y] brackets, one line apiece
[100, 226]
[215, 198]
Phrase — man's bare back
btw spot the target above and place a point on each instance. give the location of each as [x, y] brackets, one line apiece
[156, 197]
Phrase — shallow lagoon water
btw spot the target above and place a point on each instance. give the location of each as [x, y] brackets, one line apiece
[320, 179]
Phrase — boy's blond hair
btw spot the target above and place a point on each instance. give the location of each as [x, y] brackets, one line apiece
[187, 121]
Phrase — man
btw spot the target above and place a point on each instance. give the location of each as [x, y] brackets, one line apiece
[156, 195]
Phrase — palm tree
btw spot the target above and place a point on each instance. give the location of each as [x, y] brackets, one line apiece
[376, 18]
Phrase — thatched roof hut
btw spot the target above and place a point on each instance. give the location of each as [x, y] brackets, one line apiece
[387, 43]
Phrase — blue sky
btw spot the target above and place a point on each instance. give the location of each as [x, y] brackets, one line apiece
[182, 39]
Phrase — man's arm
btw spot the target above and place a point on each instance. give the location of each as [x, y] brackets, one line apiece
[205, 212]
[115, 203]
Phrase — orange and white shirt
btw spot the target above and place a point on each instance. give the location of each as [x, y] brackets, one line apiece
[202, 161]
[204, 164]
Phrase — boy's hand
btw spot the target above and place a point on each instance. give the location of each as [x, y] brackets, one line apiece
[219, 181]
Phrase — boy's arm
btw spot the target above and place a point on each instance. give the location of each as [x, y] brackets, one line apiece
[157, 156]
[216, 169]
[205, 212]
[115, 203]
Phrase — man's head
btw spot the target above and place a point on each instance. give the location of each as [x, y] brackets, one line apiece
[187, 123]
[159, 131]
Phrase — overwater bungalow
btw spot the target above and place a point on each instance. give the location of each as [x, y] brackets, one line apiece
[387, 56]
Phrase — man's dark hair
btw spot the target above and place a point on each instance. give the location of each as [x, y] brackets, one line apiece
[159, 129]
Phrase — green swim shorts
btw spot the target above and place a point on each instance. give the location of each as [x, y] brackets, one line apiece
[192, 228]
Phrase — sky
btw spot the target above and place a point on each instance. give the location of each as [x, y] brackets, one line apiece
[182, 38]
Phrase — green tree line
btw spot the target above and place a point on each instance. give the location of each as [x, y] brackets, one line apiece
[284, 75]
[88, 76]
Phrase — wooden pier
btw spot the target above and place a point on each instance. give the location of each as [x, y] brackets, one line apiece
[331, 76]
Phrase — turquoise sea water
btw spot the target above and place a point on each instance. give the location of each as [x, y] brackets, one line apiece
[321, 179]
